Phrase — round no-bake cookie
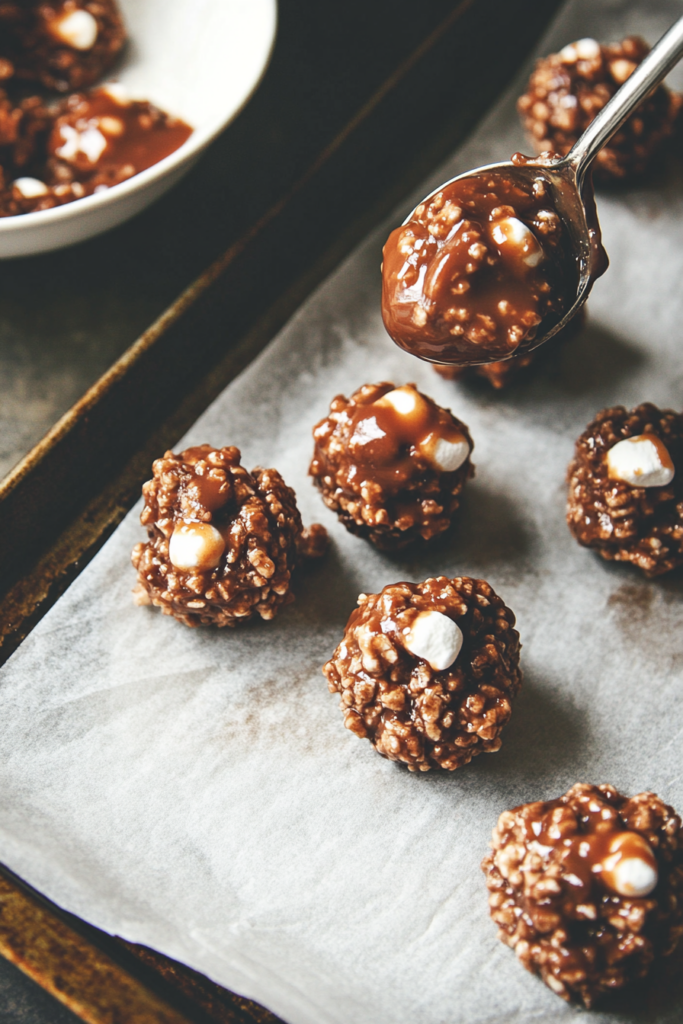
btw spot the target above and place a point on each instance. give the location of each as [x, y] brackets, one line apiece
[63, 45]
[428, 671]
[391, 463]
[626, 487]
[588, 889]
[223, 542]
[568, 89]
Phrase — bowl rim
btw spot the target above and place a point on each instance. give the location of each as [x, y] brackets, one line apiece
[195, 142]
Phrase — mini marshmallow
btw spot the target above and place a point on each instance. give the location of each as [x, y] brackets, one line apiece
[435, 638]
[111, 125]
[443, 454]
[91, 142]
[641, 461]
[630, 868]
[405, 400]
[512, 232]
[30, 188]
[117, 92]
[632, 877]
[582, 49]
[195, 546]
[77, 29]
[622, 69]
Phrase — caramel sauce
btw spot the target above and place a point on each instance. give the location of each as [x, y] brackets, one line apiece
[206, 492]
[478, 271]
[99, 133]
[588, 856]
[385, 443]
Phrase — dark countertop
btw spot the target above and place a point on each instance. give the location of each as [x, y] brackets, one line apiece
[24, 1002]
[66, 316]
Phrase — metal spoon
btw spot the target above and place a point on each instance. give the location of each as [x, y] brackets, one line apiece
[567, 177]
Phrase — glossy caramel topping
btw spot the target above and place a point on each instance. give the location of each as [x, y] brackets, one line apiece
[401, 427]
[602, 852]
[477, 272]
[100, 132]
[207, 490]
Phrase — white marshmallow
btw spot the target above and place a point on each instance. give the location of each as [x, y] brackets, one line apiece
[583, 49]
[510, 231]
[445, 455]
[404, 400]
[111, 125]
[30, 188]
[630, 876]
[435, 638]
[77, 29]
[637, 461]
[629, 867]
[117, 92]
[622, 69]
[587, 49]
[91, 142]
[195, 546]
[70, 147]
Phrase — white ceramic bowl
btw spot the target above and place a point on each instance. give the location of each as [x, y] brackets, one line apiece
[198, 59]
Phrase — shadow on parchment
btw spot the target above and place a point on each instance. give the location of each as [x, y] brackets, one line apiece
[487, 530]
[657, 995]
[637, 592]
[546, 734]
[594, 359]
[325, 591]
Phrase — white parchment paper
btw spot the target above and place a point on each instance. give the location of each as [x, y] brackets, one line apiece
[196, 790]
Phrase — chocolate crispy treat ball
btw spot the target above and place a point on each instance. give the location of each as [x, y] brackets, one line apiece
[63, 45]
[222, 541]
[568, 89]
[428, 671]
[626, 487]
[391, 463]
[588, 889]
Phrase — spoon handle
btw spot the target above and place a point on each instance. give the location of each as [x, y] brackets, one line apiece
[649, 73]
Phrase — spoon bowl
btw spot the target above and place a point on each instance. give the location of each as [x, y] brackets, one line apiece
[574, 203]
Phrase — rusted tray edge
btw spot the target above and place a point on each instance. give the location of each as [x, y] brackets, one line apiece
[100, 978]
[70, 968]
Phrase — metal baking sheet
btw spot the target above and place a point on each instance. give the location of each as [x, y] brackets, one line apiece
[195, 790]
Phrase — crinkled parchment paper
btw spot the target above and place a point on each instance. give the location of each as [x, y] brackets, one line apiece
[196, 790]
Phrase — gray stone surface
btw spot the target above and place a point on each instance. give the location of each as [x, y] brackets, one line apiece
[24, 1002]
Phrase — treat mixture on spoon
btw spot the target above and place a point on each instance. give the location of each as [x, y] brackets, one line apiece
[481, 268]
